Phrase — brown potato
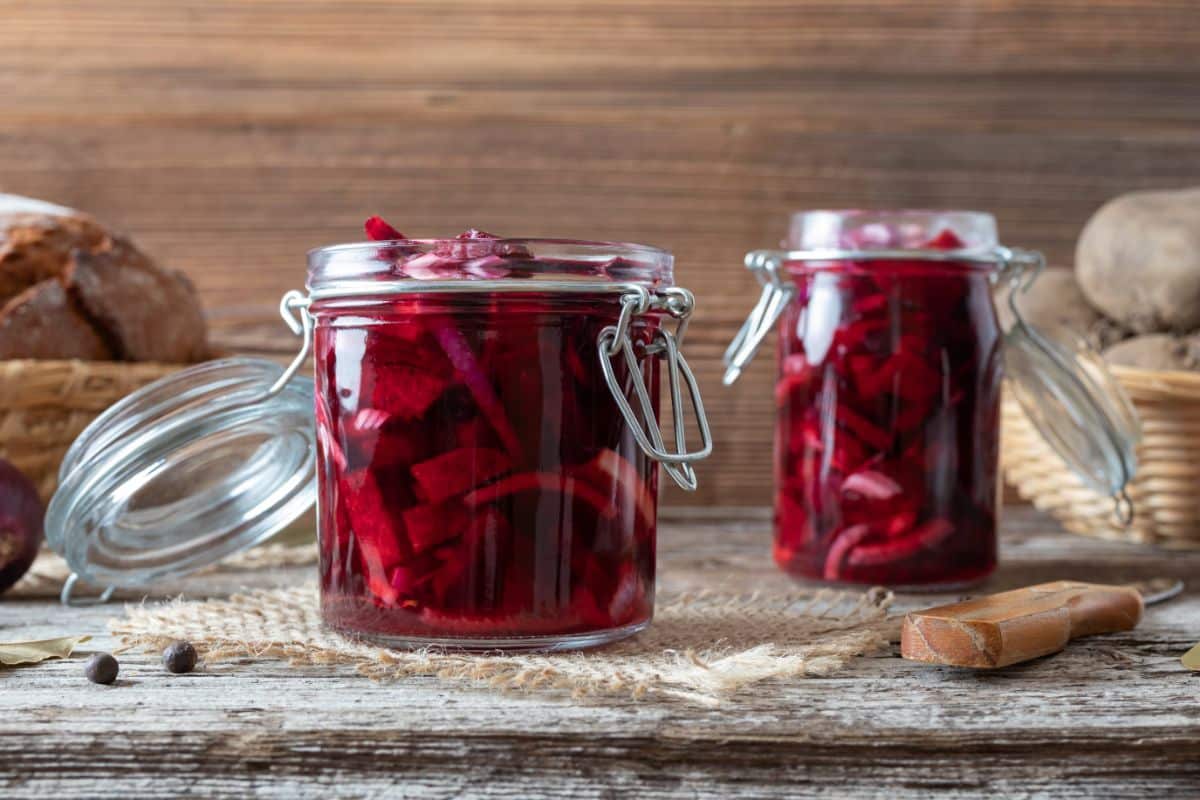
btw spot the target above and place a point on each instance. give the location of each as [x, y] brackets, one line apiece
[1055, 299]
[1158, 351]
[1138, 260]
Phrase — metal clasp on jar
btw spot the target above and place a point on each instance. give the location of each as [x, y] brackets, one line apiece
[776, 294]
[613, 340]
[616, 339]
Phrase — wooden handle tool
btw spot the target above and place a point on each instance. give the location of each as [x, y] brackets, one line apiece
[1012, 627]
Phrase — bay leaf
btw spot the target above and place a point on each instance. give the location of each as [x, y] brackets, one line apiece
[32, 652]
[1191, 659]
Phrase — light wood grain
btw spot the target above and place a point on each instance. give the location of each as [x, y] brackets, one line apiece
[1008, 628]
[231, 136]
[1112, 716]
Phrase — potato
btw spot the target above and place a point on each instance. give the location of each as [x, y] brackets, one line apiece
[1157, 351]
[1055, 299]
[1105, 333]
[1138, 260]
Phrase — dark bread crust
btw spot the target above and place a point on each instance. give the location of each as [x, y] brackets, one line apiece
[149, 314]
[34, 247]
[71, 289]
[45, 321]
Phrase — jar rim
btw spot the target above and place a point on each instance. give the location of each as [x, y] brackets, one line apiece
[892, 212]
[913, 229]
[429, 244]
[486, 259]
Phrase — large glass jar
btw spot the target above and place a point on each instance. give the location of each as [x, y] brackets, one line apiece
[484, 479]
[890, 362]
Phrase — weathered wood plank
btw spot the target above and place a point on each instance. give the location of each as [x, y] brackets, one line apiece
[1112, 716]
[315, 40]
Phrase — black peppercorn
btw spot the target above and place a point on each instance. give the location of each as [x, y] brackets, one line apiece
[179, 657]
[102, 668]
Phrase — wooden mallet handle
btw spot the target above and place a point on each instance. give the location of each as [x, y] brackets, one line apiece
[1012, 627]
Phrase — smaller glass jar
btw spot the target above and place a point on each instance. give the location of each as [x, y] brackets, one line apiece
[890, 363]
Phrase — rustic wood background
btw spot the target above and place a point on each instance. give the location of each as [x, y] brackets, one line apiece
[232, 135]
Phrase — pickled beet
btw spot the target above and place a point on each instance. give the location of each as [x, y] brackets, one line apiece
[477, 481]
[378, 230]
[20, 524]
[888, 415]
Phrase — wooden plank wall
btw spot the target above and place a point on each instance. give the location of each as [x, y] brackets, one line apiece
[232, 135]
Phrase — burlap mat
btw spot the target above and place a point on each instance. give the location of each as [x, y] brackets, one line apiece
[702, 648]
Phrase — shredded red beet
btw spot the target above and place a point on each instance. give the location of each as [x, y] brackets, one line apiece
[477, 480]
[457, 471]
[379, 231]
[552, 482]
[888, 396]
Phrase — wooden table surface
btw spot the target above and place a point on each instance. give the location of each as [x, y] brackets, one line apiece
[1113, 716]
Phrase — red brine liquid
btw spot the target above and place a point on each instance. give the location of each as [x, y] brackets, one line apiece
[888, 414]
[477, 482]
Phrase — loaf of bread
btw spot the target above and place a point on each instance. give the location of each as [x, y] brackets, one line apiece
[70, 288]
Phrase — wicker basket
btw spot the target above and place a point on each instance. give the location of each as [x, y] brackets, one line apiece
[1166, 489]
[44, 405]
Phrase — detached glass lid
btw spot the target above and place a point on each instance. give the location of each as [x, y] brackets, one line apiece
[1074, 402]
[185, 472]
[1059, 380]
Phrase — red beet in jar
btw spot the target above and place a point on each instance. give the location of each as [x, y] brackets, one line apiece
[887, 396]
[489, 448]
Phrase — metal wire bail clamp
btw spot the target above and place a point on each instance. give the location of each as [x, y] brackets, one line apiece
[615, 339]
[65, 598]
[772, 302]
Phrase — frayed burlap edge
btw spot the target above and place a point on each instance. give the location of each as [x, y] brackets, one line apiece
[703, 647]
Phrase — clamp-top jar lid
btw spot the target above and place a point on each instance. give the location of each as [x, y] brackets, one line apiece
[1059, 380]
[219, 457]
[185, 472]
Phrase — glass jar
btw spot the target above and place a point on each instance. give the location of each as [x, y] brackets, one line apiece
[890, 362]
[477, 481]
[485, 456]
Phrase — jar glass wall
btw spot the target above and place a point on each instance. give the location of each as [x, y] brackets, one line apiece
[888, 402]
[478, 485]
